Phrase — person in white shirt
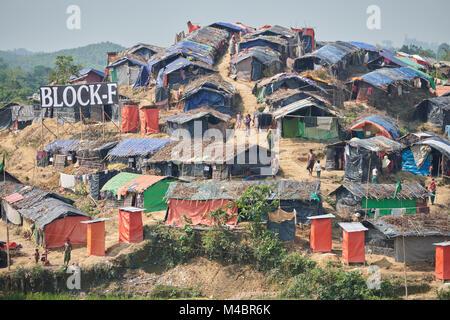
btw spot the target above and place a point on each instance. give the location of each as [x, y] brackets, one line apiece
[318, 168]
[375, 176]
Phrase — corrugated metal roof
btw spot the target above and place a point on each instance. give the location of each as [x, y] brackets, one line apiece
[137, 147]
[231, 190]
[352, 226]
[376, 144]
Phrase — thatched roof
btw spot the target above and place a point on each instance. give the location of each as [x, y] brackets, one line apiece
[385, 191]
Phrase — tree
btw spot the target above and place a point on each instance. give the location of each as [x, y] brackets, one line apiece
[64, 68]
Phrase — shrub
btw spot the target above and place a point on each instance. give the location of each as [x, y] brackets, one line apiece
[172, 292]
[443, 294]
[294, 264]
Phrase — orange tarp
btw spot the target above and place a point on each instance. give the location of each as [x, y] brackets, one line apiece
[353, 249]
[130, 226]
[140, 184]
[320, 236]
[196, 210]
[96, 239]
[443, 262]
[130, 118]
[149, 120]
[59, 230]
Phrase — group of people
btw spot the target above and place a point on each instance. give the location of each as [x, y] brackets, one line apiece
[247, 121]
[44, 256]
[311, 162]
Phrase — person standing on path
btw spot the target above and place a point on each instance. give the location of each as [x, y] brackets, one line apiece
[311, 161]
[67, 251]
[36, 255]
[433, 191]
[247, 122]
[238, 120]
[269, 139]
[318, 168]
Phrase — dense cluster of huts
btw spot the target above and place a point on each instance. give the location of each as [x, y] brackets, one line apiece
[163, 174]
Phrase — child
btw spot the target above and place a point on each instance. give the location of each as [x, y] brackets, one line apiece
[36, 255]
[318, 168]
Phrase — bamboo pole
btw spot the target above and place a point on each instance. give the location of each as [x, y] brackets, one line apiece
[404, 267]
[6, 218]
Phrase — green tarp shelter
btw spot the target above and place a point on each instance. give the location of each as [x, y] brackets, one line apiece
[119, 180]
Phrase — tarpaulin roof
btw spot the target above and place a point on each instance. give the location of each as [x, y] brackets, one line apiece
[5, 117]
[385, 124]
[387, 54]
[333, 52]
[85, 72]
[48, 210]
[61, 146]
[377, 144]
[277, 30]
[118, 181]
[178, 64]
[410, 62]
[438, 144]
[140, 184]
[263, 41]
[197, 114]
[264, 55]
[297, 105]
[212, 81]
[234, 27]
[125, 60]
[277, 80]
[209, 35]
[385, 191]
[231, 190]
[364, 46]
[386, 76]
[137, 147]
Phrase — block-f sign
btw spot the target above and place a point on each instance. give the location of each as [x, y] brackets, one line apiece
[73, 22]
[374, 19]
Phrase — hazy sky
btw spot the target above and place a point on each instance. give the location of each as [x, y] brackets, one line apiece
[40, 25]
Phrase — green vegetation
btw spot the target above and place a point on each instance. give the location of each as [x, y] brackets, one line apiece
[64, 68]
[172, 292]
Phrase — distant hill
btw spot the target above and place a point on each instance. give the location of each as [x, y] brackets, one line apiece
[90, 56]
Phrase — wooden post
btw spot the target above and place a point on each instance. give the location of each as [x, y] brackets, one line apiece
[103, 120]
[404, 267]
[6, 218]
[81, 119]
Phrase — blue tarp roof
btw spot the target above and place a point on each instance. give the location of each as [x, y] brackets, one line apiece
[178, 64]
[393, 57]
[387, 76]
[388, 124]
[263, 41]
[334, 52]
[143, 78]
[137, 147]
[364, 46]
[86, 71]
[231, 26]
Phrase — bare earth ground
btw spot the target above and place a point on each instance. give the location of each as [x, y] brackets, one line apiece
[214, 280]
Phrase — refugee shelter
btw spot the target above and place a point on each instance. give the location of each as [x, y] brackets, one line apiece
[434, 111]
[416, 233]
[320, 233]
[16, 116]
[283, 224]
[92, 154]
[284, 97]
[276, 44]
[197, 122]
[195, 200]
[374, 126]
[125, 70]
[132, 151]
[181, 72]
[336, 55]
[232, 27]
[362, 155]
[211, 91]
[255, 63]
[265, 87]
[143, 51]
[335, 159]
[210, 160]
[146, 191]
[52, 217]
[109, 191]
[213, 37]
[307, 119]
[388, 83]
[353, 248]
[429, 156]
[87, 75]
[378, 199]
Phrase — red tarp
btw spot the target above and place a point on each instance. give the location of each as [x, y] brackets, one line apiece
[59, 230]
[96, 239]
[443, 262]
[353, 247]
[196, 210]
[130, 226]
[130, 118]
[149, 120]
[320, 237]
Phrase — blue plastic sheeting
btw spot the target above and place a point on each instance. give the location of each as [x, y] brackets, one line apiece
[393, 57]
[364, 46]
[85, 71]
[178, 64]
[204, 97]
[263, 55]
[261, 42]
[334, 52]
[230, 26]
[137, 147]
[61, 146]
[143, 78]
[385, 76]
[386, 123]
[409, 164]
